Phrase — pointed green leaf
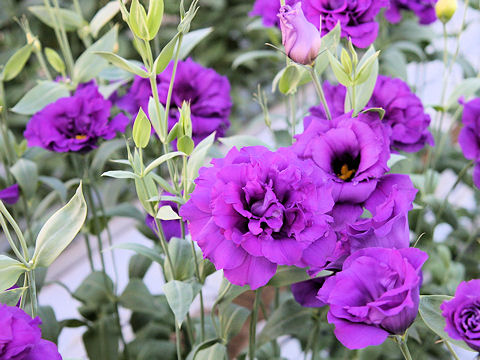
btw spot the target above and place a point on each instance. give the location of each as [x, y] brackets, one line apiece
[16, 63]
[329, 44]
[10, 271]
[158, 161]
[141, 130]
[179, 296]
[289, 81]
[59, 231]
[154, 17]
[12, 297]
[70, 20]
[138, 20]
[364, 91]
[120, 174]
[162, 60]
[46, 92]
[232, 318]
[215, 352]
[122, 63]
[156, 119]
[339, 71]
[137, 298]
[166, 213]
[26, 173]
[152, 254]
[103, 16]
[185, 144]
[55, 60]
[192, 39]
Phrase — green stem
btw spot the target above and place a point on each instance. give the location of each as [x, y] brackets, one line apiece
[215, 304]
[89, 251]
[42, 62]
[23, 300]
[449, 347]
[320, 93]
[126, 351]
[17, 253]
[9, 151]
[177, 341]
[253, 325]
[402, 344]
[16, 228]
[33, 292]
[293, 115]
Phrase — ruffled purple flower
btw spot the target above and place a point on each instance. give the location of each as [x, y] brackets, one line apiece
[208, 94]
[268, 10]
[351, 154]
[462, 314]
[376, 294]
[424, 9]
[136, 97]
[10, 195]
[404, 114]
[75, 123]
[20, 337]
[356, 17]
[256, 209]
[469, 137]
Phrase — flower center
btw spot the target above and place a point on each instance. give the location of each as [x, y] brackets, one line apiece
[345, 166]
[80, 137]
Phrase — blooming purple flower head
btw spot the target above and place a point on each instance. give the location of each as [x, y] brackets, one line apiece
[469, 137]
[351, 153]
[74, 123]
[136, 97]
[404, 114]
[256, 209]
[268, 10]
[299, 37]
[375, 295]
[10, 195]
[208, 94]
[20, 337]
[424, 9]
[356, 17]
[171, 228]
[462, 314]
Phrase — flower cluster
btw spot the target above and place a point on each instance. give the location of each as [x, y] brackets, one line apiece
[21, 338]
[207, 91]
[469, 137]
[424, 9]
[75, 123]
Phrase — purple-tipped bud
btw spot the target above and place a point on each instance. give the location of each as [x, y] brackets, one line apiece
[301, 38]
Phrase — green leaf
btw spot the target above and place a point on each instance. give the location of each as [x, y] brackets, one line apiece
[141, 130]
[152, 254]
[365, 69]
[95, 289]
[101, 339]
[89, 65]
[103, 16]
[154, 17]
[146, 189]
[289, 318]
[232, 318]
[10, 271]
[364, 91]
[240, 141]
[138, 266]
[165, 56]
[60, 230]
[120, 174]
[166, 213]
[232, 293]
[104, 153]
[181, 254]
[215, 352]
[192, 39]
[250, 56]
[49, 326]
[137, 298]
[123, 63]
[160, 160]
[185, 144]
[26, 173]
[44, 93]
[16, 63]
[287, 275]
[138, 20]
[431, 314]
[466, 88]
[70, 20]
[179, 296]
[55, 60]
[11, 297]
[338, 70]
[289, 81]
[157, 119]
[329, 44]
[55, 184]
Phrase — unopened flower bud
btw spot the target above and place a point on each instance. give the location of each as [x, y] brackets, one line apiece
[300, 37]
[445, 9]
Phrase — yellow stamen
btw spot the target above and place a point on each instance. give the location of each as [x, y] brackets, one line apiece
[345, 172]
[80, 137]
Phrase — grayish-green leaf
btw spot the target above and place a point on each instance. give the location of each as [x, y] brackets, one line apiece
[342, 77]
[60, 230]
[70, 20]
[160, 160]
[215, 352]
[120, 174]
[11, 297]
[136, 297]
[192, 39]
[287, 275]
[44, 93]
[103, 16]
[179, 296]
[10, 271]
[16, 63]
[55, 60]
[141, 129]
[329, 44]
[289, 80]
[166, 213]
[26, 173]
[146, 189]
[364, 91]
[232, 318]
[138, 20]
[152, 254]
[96, 289]
[185, 144]
[182, 263]
[156, 113]
[122, 63]
[55, 184]
[154, 17]
[105, 152]
[163, 59]
[251, 56]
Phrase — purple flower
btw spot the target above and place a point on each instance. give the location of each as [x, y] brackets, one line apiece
[351, 153]
[208, 94]
[375, 295]
[10, 195]
[74, 123]
[469, 137]
[305, 292]
[256, 209]
[268, 10]
[136, 97]
[20, 337]
[424, 9]
[404, 114]
[462, 314]
[356, 17]
[299, 37]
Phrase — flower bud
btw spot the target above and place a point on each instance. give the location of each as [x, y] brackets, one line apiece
[300, 37]
[445, 9]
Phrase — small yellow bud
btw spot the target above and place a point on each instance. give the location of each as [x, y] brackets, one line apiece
[445, 9]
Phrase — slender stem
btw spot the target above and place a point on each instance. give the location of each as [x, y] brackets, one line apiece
[33, 292]
[177, 341]
[9, 151]
[197, 274]
[293, 115]
[17, 230]
[19, 256]
[320, 93]
[215, 304]
[253, 325]
[42, 62]
[24, 294]
[126, 351]
[89, 251]
[402, 344]
[449, 347]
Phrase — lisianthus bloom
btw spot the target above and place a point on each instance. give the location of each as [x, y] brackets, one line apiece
[136, 97]
[356, 17]
[351, 153]
[10, 195]
[424, 9]
[376, 294]
[462, 314]
[299, 37]
[256, 209]
[20, 337]
[469, 137]
[305, 292]
[74, 123]
[207, 92]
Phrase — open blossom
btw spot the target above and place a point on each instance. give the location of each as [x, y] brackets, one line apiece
[351, 153]
[376, 294]
[299, 37]
[424, 9]
[75, 123]
[20, 337]
[356, 17]
[10, 194]
[462, 314]
[256, 209]
[469, 137]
